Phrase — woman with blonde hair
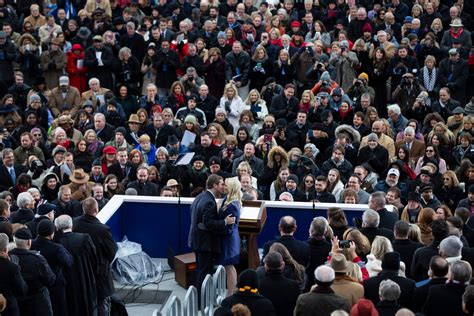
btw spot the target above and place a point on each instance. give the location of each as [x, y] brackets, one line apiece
[371, 115]
[258, 106]
[425, 218]
[380, 246]
[443, 212]
[450, 193]
[233, 105]
[217, 133]
[230, 242]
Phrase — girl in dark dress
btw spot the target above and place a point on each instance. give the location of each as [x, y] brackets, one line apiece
[230, 242]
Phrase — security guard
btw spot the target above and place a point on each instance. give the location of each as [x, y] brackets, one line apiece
[37, 274]
[58, 258]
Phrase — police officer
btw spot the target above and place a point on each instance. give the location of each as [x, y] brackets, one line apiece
[45, 211]
[37, 274]
[58, 258]
[12, 284]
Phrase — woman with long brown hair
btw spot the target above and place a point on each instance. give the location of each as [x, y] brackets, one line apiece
[425, 218]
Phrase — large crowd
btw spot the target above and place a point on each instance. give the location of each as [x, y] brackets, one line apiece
[300, 100]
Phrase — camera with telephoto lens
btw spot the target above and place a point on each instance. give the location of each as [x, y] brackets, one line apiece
[358, 83]
[344, 243]
[319, 65]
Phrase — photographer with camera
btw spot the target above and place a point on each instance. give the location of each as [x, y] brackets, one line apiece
[345, 62]
[399, 65]
[407, 91]
[325, 84]
[360, 86]
[303, 60]
[320, 66]
[191, 81]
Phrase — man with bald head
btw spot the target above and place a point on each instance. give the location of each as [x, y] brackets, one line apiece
[298, 249]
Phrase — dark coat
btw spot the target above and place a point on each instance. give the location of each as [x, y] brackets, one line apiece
[421, 260]
[214, 75]
[33, 225]
[281, 107]
[257, 304]
[421, 293]
[161, 138]
[319, 251]
[387, 219]
[345, 169]
[136, 43]
[59, 259]
[205, 224]
[454, 76]
[147, 188]
[283, 301]
[406, 248]
[104, 72]
[72, 208]
[298, 249]
[130, 171]
[407, 287]
[445, 299]
[166, 65]
[376, 158]
[80, 293]
[22, 216]
[321, 301]
[105, 247]
[38, 276]
[325, 197]
[234, 62]
[6, 181]
[12, 285]
[372, 232]
[387, 308]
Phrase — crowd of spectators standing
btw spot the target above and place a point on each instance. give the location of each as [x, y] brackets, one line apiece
[300, 100]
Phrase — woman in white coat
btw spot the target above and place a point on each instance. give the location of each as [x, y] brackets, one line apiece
[233, 105]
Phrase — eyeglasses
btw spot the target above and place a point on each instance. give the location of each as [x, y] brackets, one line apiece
[37, 135]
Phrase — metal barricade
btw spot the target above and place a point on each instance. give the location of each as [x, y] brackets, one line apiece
[207, 296]
[172, 307]
[190, 303]
[220, 285]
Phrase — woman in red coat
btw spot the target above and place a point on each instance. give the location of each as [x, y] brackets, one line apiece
[76, 69]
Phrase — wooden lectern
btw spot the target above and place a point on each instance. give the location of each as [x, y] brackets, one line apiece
[252, 219]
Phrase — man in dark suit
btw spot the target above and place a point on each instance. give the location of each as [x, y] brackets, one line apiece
[12, 284]
[377, 203]
[370, 223]
[159, 131]
[123, 168]
[404, 246]
[272, 284]
[298, 249]
[437, 273]
[204, 226]
[106, 249]
[446, 299]
[9, 171]
[390, 267]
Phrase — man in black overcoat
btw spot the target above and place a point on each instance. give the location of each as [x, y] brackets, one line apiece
[58, 258]
[81, 293]
[106, 249]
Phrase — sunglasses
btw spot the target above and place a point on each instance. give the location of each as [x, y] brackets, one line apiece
[429, 150]
[308, 181]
